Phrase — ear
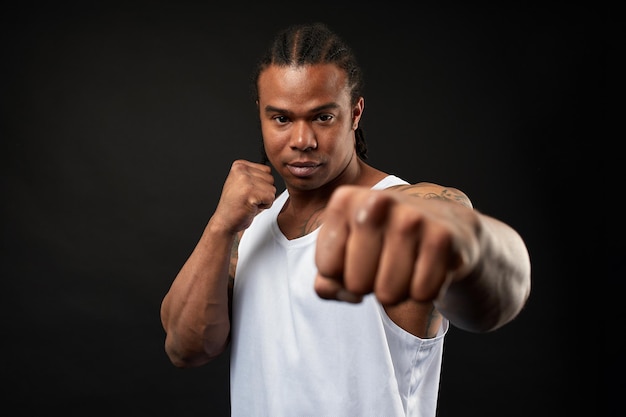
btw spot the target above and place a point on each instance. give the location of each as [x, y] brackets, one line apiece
[357, 112]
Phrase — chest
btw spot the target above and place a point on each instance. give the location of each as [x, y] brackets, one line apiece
[296, 225]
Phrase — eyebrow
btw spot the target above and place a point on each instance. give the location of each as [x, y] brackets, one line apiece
[328, 106]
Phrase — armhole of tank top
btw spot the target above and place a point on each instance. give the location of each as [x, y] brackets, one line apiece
[389, 181]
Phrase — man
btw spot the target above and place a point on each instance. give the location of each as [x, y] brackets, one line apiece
[336, 294]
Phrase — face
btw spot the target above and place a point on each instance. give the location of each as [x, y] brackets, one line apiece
[308, 124]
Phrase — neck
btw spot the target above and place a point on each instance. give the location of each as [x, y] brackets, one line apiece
[303, 212]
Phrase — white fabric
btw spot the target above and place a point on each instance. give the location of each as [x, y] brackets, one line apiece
[294, 354]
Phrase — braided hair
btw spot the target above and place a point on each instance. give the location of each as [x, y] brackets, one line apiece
[315, 43]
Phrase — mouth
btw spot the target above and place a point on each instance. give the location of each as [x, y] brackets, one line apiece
[302, 169]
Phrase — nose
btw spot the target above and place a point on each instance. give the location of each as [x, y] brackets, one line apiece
[303, 137]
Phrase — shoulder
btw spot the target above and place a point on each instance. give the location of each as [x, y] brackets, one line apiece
[429, 190]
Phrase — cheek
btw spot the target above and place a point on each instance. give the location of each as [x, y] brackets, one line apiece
[341, 143]
[272, 141]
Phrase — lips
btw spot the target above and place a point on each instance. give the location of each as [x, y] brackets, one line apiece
[302, 169]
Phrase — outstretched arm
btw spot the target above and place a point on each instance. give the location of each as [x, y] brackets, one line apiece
[195, 311]
[408, 242]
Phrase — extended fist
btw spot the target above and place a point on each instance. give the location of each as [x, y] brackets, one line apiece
[394, 244]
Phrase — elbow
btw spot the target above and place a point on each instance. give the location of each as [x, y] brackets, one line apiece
[486, 309]
[187, 359]
[515, 293]
[508, 305]
[195, 349]
[185, 356]
[518, 296]
[507, 299]
[189, 344]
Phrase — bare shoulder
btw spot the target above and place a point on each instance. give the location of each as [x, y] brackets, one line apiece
[429, 190]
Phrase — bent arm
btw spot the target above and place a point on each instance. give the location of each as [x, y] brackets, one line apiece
[195, 311]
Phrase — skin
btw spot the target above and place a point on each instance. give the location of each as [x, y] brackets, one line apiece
[421, 249]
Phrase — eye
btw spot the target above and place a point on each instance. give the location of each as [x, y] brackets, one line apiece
[325, 117]
[281, 119]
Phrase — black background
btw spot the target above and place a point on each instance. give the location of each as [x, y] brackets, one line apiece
[119, 125]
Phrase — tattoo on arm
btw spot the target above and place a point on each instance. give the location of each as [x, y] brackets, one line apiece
[446, 194]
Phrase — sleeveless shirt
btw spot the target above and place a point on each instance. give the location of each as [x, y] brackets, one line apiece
[294, 354]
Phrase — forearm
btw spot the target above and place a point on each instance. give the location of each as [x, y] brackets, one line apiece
[496, 289]
[195, 311]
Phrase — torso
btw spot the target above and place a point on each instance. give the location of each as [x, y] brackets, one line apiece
[280, 334]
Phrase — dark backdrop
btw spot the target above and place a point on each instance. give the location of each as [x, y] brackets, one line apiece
[119, 125]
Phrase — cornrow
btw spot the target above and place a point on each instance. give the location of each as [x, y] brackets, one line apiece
[310, 44]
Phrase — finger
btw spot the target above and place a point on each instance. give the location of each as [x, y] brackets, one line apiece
[331, 246]
[398, 260]
[258, 196]
[259, 187]
[262, 199]
[365, 242]
[332, 289]
[363, 250]
[433, 261]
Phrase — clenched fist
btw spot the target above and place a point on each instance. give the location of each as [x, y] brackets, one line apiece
[248, 190]
[394, 244]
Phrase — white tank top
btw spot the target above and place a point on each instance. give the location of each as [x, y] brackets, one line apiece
[294, 354]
